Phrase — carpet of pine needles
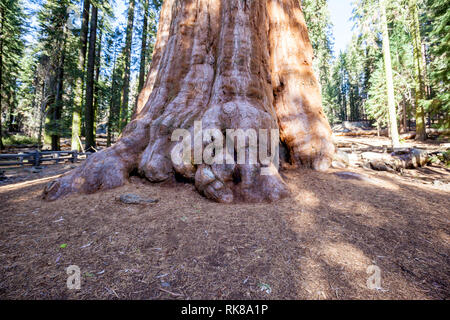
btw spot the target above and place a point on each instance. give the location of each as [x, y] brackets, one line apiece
[317, 244]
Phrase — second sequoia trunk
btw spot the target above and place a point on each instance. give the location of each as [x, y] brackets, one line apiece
[230, 64]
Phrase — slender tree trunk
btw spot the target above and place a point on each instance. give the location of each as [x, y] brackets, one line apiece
[49, 107]
[1, 74]
[405, 116]
[97, 76]
[112, 109]
[76, 118]
[419, 69]
[389, 80]
[89, 105]
[143, 48]
[425, 70]
[42, 115]
[57, 109]
[345, 118]
[10, 105]
[224, 65]
[34, 107]
[126, 76]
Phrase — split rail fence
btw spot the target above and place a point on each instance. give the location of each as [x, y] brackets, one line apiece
[36, 158]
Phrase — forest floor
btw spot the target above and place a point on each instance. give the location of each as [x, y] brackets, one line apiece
[317, 244]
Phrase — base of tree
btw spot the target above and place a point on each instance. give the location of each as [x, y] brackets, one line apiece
[229, 65]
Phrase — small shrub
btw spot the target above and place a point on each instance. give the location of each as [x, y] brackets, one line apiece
[18, 139]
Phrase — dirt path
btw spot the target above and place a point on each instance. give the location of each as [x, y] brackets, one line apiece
[317, 244]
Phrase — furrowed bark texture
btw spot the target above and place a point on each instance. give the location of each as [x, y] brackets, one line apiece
[235, 64]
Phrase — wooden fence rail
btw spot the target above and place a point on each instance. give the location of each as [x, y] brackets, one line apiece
[35, 158]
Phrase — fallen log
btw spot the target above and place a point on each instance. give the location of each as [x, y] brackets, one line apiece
[408, 135]
[356, 133]
[408, 158]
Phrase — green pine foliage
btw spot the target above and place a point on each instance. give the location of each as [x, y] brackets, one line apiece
[12, 30]
[358, 76]
[319, 24]
[438, 103]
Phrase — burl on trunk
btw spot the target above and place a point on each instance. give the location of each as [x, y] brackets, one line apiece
[231, 64]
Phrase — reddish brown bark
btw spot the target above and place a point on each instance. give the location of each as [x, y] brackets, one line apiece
[230, 64]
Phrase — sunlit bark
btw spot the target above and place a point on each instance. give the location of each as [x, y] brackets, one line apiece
[419, 69]
[76, 117]
[393, 128]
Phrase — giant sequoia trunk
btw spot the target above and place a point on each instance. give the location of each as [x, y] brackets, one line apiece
[231, 64]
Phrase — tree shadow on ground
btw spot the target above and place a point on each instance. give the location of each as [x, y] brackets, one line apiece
[400, 228]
